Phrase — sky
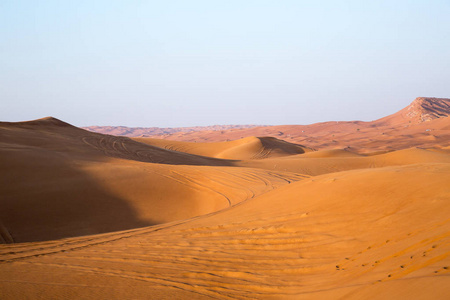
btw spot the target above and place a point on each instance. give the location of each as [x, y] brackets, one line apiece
[195, 63]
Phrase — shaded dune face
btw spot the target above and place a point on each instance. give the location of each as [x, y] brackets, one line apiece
[45, 196]
[53, 134]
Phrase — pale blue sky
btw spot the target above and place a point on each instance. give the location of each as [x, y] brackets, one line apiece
[186, 63]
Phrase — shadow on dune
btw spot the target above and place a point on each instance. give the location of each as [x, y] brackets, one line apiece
[282, 146]
[53, 134]
[126, 148]
[56, 135]
[45, 197]
[56, 182]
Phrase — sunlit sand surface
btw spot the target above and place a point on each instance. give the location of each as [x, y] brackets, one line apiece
[91, 216]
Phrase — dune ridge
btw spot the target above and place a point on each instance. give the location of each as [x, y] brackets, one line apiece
[242, 149]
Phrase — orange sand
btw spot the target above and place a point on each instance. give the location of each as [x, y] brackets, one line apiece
[424, 123]
[91, 216]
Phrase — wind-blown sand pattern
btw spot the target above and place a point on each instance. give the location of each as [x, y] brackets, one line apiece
[92, 216]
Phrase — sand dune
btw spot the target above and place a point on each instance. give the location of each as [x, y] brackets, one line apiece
[242, 149]
[62, 181]
[328, 161]
[91, 216]
[55, 135]
[348, 235]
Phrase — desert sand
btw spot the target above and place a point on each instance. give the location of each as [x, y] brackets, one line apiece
[276, 212]
[423, 123]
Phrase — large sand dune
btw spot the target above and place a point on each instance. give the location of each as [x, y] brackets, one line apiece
[91, 216]
[61, 181]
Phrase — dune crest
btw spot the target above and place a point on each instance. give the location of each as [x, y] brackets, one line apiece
[46, 121]
[241, 149]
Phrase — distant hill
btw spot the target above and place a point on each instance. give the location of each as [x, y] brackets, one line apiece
[151, 131]
[421, 110]
[423, 123]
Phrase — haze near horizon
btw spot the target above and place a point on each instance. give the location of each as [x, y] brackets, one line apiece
[172, 64]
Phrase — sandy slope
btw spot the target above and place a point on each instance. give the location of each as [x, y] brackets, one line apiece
[61, 181]
[91, 216]
[328, 161]
[363, 234]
